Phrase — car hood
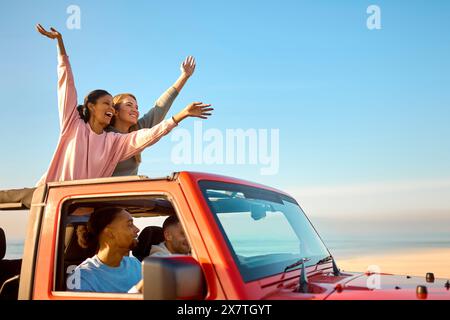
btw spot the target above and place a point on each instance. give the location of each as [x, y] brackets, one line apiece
[366, 286]
[379, 286]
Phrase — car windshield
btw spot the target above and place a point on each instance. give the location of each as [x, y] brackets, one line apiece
[266, 231]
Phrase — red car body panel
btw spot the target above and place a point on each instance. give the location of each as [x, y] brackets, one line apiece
[210, 249]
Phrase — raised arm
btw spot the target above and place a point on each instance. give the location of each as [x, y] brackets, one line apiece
[67, 94]
[195, 110]
[130, 144]
[135, 142]
[187, 70]
[165, 101]
[53, 34]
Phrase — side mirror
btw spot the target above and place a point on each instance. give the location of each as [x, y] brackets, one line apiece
[173, 278]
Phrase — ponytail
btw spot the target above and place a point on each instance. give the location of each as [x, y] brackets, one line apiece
[88, 237]
[83, 112]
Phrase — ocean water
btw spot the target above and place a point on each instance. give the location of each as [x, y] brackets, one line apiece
[344, 249]
[339, 248]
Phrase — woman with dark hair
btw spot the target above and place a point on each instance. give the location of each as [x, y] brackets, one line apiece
[126, 118]
[111, 233]
[85, 150]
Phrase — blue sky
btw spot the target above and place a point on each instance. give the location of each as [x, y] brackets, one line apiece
[355, 107]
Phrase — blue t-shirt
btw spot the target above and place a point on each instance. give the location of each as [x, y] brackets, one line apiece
[95, 276]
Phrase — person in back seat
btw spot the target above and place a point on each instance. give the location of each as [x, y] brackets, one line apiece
[175, 240]
[112, 233]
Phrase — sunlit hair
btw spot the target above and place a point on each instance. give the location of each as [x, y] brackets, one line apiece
[117, 101]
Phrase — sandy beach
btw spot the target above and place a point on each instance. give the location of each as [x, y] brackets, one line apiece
[409, 262]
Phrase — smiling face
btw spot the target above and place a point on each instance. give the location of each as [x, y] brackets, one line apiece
[123, 231]
[176, 240]
[127, 113]
[102, 110]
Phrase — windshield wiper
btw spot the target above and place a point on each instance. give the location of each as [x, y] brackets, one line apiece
[326, 259]
[336, 271]
[296, 264]
[303, 281]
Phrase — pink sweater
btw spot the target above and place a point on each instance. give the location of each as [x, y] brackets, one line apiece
[83, 154]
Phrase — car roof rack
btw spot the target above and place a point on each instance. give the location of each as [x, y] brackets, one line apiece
[16, 206]
[112, 180]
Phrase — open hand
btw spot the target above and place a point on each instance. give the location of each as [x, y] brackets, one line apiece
[198, 110]
[188, 66]
[53, 34]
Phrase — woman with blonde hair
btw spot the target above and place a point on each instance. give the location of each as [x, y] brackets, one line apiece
[126, 118]
[85, 150]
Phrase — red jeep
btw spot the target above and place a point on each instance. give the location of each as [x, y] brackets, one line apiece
[248, 241]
